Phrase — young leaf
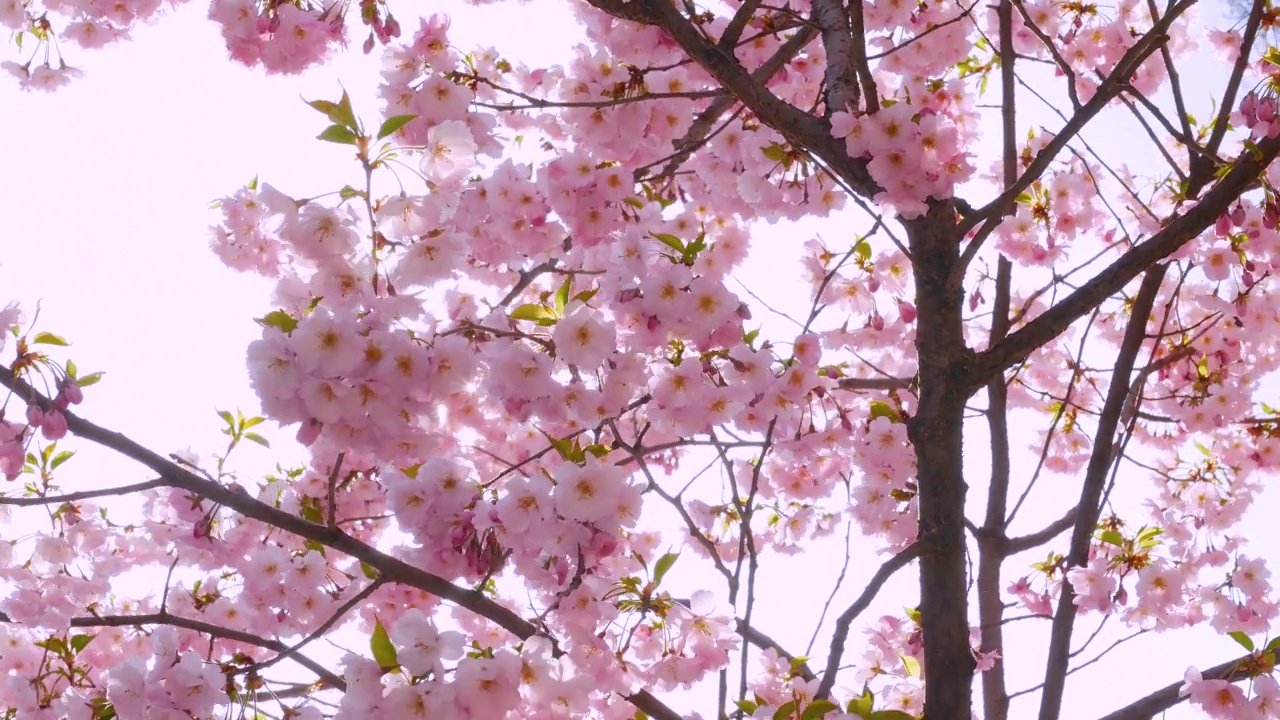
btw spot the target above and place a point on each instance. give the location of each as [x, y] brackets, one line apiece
[60, 458]
[533, 312]
[562, 295]
[338, 134]
[255, 437]
[340, 113]
[394, 123]
[277, 319]
[89, 379]
[46, 338]
[818, 709]
[383, 651]
[1111, 537]
[661, 567]
[670, 241]
[80, 642]
[1241, 638]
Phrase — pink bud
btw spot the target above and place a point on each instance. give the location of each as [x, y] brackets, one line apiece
[309, 432]
[1222, 227]
[73, 392]
[907, 312]
[35, 416]
[54, 426]
[368, 44]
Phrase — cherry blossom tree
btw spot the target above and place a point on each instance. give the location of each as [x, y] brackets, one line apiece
[512, 341]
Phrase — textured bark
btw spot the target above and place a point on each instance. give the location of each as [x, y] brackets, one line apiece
[936, 431]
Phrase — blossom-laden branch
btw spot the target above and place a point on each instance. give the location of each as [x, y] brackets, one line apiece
[389, 569]
[326, 676]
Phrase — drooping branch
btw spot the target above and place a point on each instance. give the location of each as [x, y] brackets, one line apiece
[389, 569]
[1091, 490]
[165, 618]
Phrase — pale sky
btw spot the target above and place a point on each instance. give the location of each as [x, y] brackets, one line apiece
[105, 198]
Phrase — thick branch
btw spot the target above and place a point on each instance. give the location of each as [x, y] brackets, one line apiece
[1040, 537]
[1166, 697]
[1177, 232]
[1091, 491]
[838, 41]
[798, 127]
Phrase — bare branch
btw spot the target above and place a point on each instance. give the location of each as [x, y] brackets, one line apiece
[85, 494]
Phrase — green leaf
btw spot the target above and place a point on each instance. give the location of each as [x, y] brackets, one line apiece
[383, 651]
[911, 664]
[1111, 537]
[881, 409]
[250, 422]
[890, 715]
[817, 709]
[315, 546]
[79, 642]
[1203, 450]
[746, 706]
[785, 711]
[60, 458]
[1242, 639]
[1147, 537]
[369, 571]
[279, 319]
[46, 338]
[562, 295]
[663, 565]
[394, 123]
[255, 437]
[530, 311]
[90, 379]
[338, 134]
[862, 250]
[670, 241]
[586, 295]
[861, 706]
[227, 417]
[775, 152]
[340, 112]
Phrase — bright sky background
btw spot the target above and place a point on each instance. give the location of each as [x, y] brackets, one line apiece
[105, 196]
